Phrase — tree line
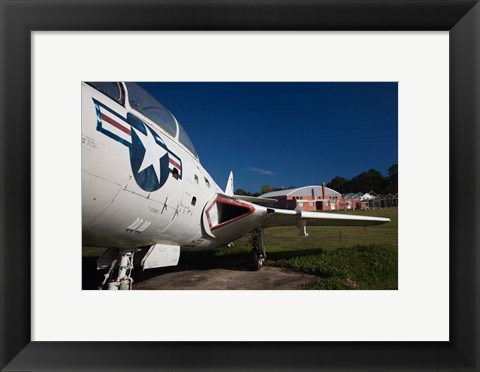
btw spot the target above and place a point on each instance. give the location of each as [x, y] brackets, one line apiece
[371, 180]
[368, 181]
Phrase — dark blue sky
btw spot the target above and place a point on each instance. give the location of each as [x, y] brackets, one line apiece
[286, 134]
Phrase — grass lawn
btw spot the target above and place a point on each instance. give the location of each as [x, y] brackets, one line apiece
[92, 251]
[341, 257]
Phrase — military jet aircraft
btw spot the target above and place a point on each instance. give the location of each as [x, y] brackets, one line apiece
[146, 197]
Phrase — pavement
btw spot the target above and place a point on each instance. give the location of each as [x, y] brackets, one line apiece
[267, 278]
[205, 272]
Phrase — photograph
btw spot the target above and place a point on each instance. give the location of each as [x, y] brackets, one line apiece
[276, 186]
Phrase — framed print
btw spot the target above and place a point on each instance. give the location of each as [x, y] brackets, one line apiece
[25, 26]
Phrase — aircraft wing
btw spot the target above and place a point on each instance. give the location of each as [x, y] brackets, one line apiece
[227, 218]
[282, 217]
[256, 199]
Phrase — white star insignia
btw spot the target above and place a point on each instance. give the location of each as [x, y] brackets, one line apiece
[153, 152]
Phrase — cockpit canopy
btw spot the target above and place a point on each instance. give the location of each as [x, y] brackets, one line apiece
[143, 102]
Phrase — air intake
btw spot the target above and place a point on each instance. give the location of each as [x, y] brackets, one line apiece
[224, 211]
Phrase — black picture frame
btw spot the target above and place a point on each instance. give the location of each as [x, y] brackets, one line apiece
[18, 18]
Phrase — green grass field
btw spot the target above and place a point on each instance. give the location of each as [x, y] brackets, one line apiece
[341, 257]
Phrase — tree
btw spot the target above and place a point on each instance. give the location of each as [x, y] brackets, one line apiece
[337, 182]
[392, 180]
[266, 188]
[393, 170]
[340, 184]
[242, 192]
[371, 180]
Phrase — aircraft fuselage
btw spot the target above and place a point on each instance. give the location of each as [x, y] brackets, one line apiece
[130, 198]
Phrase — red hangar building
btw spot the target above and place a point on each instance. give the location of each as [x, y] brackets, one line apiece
[314, 198]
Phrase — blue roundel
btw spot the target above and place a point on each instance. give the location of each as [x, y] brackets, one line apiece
[148, 156]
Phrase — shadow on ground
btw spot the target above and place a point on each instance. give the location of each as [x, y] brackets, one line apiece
[235, 268]
[92, 278]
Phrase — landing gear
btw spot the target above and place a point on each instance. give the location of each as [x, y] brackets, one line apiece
[256, 259]
[257, 254]
[124, 263]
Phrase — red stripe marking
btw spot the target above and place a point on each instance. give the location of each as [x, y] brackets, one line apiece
[250, 208]
[115, 124]
[174, 163]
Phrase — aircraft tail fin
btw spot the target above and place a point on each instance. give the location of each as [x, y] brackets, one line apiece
[229, 187]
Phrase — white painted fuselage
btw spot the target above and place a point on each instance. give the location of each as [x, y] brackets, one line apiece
[117, 212]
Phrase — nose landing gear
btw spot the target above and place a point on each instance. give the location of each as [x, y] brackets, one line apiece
[257, 254]
[124, 263]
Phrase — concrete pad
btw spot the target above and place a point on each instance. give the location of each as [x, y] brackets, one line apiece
[204, 271]
[270, 278]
